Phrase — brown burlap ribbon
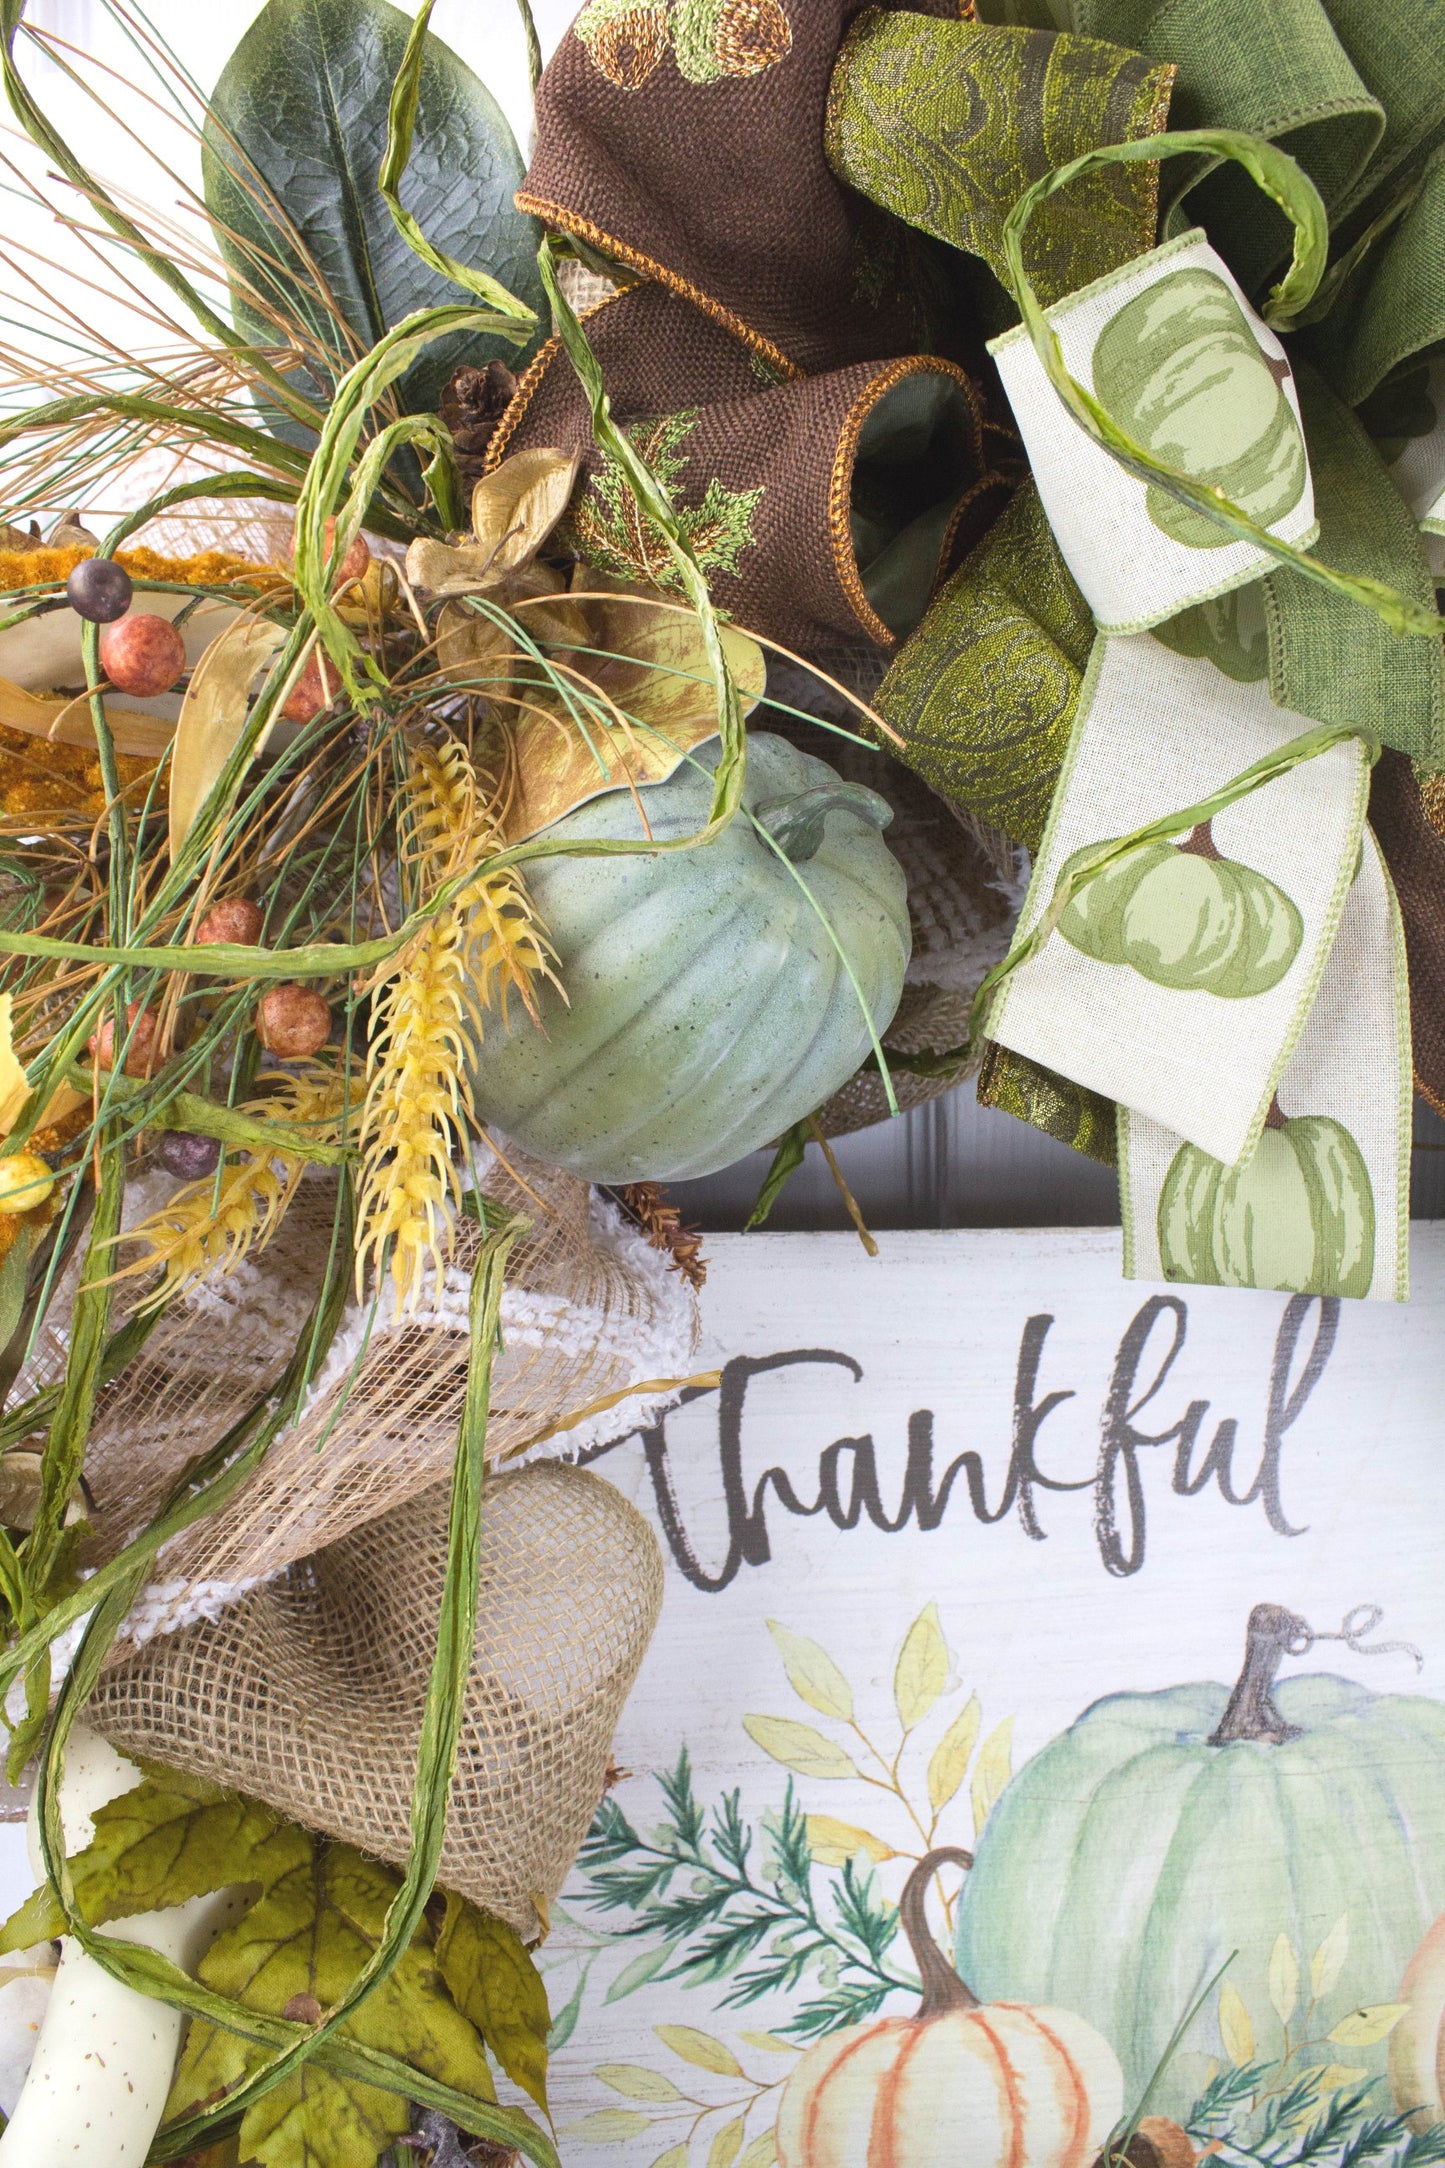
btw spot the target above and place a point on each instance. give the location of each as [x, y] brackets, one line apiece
[821, 509]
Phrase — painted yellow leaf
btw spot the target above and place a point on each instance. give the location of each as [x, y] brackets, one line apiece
[1363, 2027]
[700, 2049]
[213, 716]
[1337, 2075]
[812, 1674]
[727, 2145]
[609, 2126]
[922, 1669]
[833, 1843]
[1328, 1961]
[948, 1764]
[762, 2153]
[799, 1747]
[1235, 2029]
[771, 2043]
[992, 1771]
[14, 1091]
[636, 2083]
[674, 2157]
[1283, 1979]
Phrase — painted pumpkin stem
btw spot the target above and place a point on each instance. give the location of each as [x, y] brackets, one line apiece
[1276, 1118]
[1272, 1633]
[1200, 842]
[942, 1987]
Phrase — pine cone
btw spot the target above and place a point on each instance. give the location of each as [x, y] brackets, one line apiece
[471, 407]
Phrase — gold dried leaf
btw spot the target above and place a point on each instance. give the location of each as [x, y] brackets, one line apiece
[515, 507]
[213, 716]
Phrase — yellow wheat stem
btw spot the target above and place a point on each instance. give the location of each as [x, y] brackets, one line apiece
[428, 1014]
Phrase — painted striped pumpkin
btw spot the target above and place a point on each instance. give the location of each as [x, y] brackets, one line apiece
[959, 2084]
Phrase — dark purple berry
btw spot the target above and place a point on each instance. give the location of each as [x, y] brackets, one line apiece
[185, 1154]
[99, 589]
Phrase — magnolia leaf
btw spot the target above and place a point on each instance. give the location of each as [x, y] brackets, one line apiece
[991, 1771]
[636, 2083]
[1363, 2027]
[812, 1674]
[610, 2126]
[922, 1670]
[1283, 1979]
[833, 1843]
[1328, 1961]
[213, 716]
[1334, 2076]
[494, 1982]
[727, 2145]
[1235, 2029]
[14, 1091]
[309, 1934]
[799, 1747]
[700, 2049]
[639, 1972]
[762, 2153]
[516, 506]
[948, 1763]
[772, 2043]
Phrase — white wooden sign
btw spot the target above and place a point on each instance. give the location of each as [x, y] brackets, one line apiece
[964, 1557]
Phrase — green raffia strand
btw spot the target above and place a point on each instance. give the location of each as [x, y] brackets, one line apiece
[789, 1156]
[400, 128]
[656, 505]
[534, 45]
[1307, 746]
[326, 478]
[188, 421]
[44, 136]
[1295, 193]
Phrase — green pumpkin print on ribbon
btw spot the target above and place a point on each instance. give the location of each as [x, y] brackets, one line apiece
[1180, 368]
[1298, 1216]
[1184, 917]
[1229, 630]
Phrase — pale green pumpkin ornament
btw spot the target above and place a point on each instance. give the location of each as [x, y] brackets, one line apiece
[1163, 1831]
[708, 1006]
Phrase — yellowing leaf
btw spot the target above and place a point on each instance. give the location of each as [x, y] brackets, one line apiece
[637, 2083]
[727, 2145]
[213, 716]
[1235, 2029]
[922, 1669]
[799, 1747]
[948, 1763]
[812, 1674]
[762, 2153]
[991, 1771]
[494, 1982]
[1363, 2027]
[833, 1843]
[771, 2043]
[1283, 1979]
[1328, 1961]
[1336, 2075]
[700, 2049]
[14, 1091]
[609, 2126]
[674, 2157]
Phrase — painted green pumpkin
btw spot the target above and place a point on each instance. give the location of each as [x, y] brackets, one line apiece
[708, 1007]
[1186, 918]
[1180, 368]
[1298, 1216]
[1164, 1830]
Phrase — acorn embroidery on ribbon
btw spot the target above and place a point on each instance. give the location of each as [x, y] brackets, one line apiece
[1187, 918]
[626, 39]
[1181, 369]
[1298, 1216]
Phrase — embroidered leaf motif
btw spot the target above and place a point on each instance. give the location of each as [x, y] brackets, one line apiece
[798, 1746]
[922, 1671]
[608, 528]
[812, 1674]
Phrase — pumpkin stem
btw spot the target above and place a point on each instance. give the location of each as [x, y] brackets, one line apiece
[1272, 1633]
[796, 824]
[942, 1987]
[1200, 842]
[1276, 1118]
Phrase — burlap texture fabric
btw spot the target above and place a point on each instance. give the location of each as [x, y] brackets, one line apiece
[589, 1310]
[1414, 847]
[684, 138]
[309, 1693]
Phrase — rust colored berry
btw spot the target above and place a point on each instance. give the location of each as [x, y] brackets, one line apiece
[354, 564]
[99, 589]
[235, 919]
[314, 690]
[293, 1021]
[141, 1041]
[142, 654]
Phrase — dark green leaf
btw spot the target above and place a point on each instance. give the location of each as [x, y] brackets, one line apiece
[792, 1146]
[293, 145]
[494, 1982]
